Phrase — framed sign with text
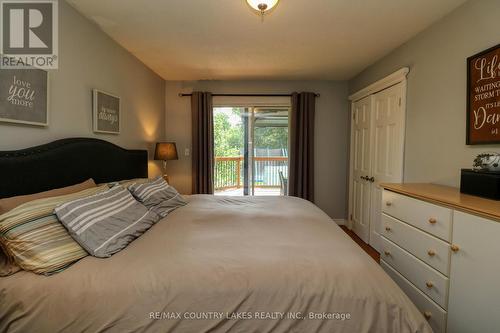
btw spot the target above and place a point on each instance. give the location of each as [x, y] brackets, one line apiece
[483, 97]
[24, 96]
[106, 112]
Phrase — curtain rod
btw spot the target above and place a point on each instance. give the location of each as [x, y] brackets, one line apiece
[246, 95]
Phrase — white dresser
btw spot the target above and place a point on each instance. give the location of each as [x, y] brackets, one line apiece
[443, 249]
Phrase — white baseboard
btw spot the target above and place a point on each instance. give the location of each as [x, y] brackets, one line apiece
[340, 221]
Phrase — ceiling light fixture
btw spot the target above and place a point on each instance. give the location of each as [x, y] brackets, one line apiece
[262, 6]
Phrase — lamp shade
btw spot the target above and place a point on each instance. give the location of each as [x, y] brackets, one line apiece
[166, 151]
[262, 6]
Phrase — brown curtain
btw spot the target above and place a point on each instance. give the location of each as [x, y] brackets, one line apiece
[203, 143]
[301, 178]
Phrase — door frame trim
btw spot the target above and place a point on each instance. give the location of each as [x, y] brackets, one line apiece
[400, 76]
[384, 83]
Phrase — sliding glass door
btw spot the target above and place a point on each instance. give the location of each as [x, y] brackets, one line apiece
[229, 148]
[251, 150]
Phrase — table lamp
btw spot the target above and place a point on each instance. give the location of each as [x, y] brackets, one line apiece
[166, 151]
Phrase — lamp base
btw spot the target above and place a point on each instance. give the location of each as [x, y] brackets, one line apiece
[165, 177]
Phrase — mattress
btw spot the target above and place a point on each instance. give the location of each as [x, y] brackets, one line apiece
[219, 264]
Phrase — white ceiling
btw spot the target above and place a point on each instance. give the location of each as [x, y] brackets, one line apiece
[225, 40]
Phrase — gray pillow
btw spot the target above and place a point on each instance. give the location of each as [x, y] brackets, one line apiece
[107, 222]
[158, 196]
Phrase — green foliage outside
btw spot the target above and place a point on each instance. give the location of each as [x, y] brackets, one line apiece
[271, 137]
[229, 137]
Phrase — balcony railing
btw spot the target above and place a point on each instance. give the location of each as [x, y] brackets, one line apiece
[229, 171]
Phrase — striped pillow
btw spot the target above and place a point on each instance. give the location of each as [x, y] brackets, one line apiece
[158, 196]
[32, 235]
[7, 265]
[127, 182]
[107, 222]
[7, 204]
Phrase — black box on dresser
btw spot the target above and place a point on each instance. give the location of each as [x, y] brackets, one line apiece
[480, 183]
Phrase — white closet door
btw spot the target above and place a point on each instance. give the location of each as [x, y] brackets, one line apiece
[387, 150]
[361, 164]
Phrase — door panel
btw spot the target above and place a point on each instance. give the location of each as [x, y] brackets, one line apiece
[377, 153]
[387, 151]
[361, 167]
[474, 275]
[387, 155]
[269, 140]
[251, 150]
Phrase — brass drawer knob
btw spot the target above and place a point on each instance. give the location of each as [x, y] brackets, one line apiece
[427, 315]
[432, 220]
[454, 248]
[387, 253]
[388, 203]
[429, 284]
[431, 253]
[387, 228]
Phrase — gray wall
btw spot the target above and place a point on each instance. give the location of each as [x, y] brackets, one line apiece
[89, 59]
[435, 133]
[331, 135]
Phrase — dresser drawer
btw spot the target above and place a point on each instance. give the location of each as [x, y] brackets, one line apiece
[433, 219]
[417, 272]
[436, 316]
[427, 248]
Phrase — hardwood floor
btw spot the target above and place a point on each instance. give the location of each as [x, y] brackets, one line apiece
[367, 248]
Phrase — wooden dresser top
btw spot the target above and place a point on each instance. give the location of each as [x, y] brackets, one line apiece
[448, 196]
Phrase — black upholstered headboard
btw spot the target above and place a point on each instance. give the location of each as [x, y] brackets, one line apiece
[67, 162]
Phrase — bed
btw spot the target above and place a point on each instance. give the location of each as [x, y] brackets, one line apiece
[218, 264]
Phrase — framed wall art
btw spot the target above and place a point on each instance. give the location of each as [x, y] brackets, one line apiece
[483, 97]
[106, 112]
[24, 96]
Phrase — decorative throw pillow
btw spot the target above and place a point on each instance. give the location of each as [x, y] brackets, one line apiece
[7, 263]
[107, 222]
[158, 196]
[32, 235]
[8, 204]
[128, 182]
